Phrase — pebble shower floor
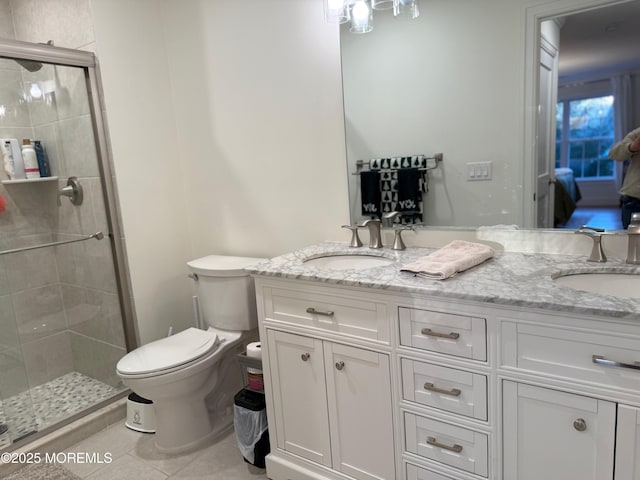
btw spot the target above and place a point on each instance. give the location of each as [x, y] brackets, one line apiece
[46, 404]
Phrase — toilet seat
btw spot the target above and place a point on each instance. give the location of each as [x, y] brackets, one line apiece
[168, 354]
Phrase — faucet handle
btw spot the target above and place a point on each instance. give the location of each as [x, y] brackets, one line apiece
[355, 239]
[398, 243]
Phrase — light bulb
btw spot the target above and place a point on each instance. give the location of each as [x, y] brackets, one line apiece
[35, 91]
[361, 17]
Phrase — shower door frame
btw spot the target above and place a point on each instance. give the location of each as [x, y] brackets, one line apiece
[14, 49]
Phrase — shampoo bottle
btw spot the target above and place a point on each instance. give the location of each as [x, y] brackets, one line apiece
[31, 168]
[41, 155]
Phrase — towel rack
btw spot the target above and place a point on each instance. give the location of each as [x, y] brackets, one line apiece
[97, 236]
[437, 157]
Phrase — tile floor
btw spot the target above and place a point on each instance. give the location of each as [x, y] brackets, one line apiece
[134, 457]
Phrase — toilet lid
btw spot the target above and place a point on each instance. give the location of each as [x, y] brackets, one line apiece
[169, 352]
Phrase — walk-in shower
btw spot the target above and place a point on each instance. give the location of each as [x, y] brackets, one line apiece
[65, 318]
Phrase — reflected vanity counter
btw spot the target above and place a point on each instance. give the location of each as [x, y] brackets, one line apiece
[371, 372]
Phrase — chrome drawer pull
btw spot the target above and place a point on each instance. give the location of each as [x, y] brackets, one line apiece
[454, 392]
[327, 313]
[431, 333]
[454, 448]
[600, 360]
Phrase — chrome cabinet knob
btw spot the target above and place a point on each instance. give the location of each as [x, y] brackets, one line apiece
[580, 425]
[305, 356]
[340, 365]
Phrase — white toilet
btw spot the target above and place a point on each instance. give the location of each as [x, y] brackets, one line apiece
[192, 376]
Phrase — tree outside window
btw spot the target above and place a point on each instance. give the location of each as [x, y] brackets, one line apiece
[584, 136]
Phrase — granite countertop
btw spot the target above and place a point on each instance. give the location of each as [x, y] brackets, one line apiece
[509, 279]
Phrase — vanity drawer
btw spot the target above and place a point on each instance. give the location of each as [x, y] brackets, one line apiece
[357, 317]
[458, 335]
[452, 445]
[606, 359]
[414, 472]
[449, 389]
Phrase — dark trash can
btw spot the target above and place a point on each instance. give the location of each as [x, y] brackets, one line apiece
[250, 423]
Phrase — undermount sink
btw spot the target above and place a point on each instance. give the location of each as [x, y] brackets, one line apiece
[625, 285]
[348, 262]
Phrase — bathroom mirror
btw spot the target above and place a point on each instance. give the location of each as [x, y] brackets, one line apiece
[464, 82]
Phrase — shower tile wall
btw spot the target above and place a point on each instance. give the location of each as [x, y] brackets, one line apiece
[59, 309]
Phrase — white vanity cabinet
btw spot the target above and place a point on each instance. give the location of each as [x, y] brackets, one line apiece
[570, 413]
[370, 384]
[556, 435]
[332, 404]
[328, 384]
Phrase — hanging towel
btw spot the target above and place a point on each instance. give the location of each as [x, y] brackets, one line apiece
[409, 196]
[456, 256]
[370, 192]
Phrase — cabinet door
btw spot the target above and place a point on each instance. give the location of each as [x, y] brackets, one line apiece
[628, 443]
[554, 435]
[359, 397]
[299, 396]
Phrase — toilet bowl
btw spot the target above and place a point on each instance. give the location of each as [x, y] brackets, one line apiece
[192, 376]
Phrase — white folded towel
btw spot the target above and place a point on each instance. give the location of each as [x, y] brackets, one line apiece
[456, 256]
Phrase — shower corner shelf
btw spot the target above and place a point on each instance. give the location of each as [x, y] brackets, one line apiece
[29, 180]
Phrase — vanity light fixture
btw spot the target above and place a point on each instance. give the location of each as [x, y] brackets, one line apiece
[360, 12]
[337, 11]
[382, 4]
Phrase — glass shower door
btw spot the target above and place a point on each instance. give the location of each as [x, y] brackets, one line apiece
[60, 308]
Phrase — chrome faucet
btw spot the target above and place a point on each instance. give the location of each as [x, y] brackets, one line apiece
[355, 239]
[633, 232]
[375, 237]
[597, 253]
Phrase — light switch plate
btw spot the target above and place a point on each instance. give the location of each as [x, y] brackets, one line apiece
[478, 171]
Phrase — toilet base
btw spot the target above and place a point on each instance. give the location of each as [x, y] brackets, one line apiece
[222, 427]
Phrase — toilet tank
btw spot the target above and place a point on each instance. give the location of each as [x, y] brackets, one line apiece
[226, 292]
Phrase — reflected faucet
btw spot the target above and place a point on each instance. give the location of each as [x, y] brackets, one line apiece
[597, 253]
[389, 217]
[633, 232]
[375, 238]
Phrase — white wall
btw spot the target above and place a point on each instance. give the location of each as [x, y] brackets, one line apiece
[131, 51]
[258, 98]
[228, 135]
[225, 120]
